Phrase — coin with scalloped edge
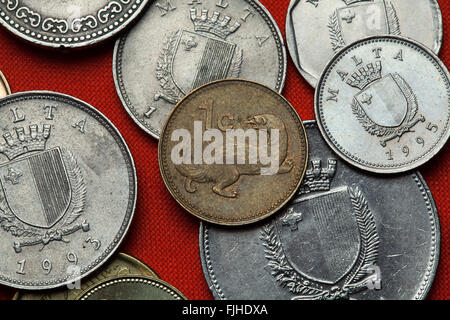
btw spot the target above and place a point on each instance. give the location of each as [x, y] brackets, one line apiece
[60, 24]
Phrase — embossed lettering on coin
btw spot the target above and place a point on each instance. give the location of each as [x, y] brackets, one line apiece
[59, 23]
[61, 179]
[316, 30]
[383, 104]
[228, 152]
[195, 43]
[345, 235]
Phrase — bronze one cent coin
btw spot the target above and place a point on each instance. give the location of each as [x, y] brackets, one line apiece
[233, 152]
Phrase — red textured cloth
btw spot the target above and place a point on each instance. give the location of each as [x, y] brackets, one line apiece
[162, 234]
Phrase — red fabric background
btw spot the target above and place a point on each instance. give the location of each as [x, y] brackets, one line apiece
[162, 233]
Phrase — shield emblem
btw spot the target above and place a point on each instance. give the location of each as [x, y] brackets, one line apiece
[324, 244]
[200, 59]
[363, 20]
[37, 188]
[384, 102]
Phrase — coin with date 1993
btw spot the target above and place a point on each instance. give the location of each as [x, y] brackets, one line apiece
[67, 190]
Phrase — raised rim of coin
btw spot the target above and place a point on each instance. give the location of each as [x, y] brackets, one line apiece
[117, 65]
[185, 205]
[214, 286]
[158, 283]
[32, 30]
[342, 153]
[4, 83]
[312, 81]
[87, 108]
[140, 263]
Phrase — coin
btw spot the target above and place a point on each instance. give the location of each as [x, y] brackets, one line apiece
[67, 190]
[120, 265]
[317, 29]
[178, 46]
[223, 186]
[59, 24]
[383, 104]
[346, 234]
[133, 288]
[4, 86]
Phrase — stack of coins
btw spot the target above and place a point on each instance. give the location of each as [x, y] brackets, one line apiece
[315, 210]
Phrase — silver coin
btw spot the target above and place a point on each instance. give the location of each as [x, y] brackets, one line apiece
[67, 190]
[383, 104]
[78, 23]
[346, 234]
[317, 29]
[178, 46]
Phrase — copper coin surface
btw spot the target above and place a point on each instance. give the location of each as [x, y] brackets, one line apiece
[233, 152]
[120, 266]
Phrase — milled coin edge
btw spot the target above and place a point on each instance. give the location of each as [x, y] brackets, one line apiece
[158, 283]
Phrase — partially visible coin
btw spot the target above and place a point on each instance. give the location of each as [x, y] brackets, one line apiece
[317, 29]
[178, 46]
[345, 235]
[133, 288]
[67, 190]
[4, 86]
[60, 24]
[212, 180]
[120, 265]
[383, 104]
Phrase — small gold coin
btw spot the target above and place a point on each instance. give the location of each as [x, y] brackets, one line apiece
[233, 152]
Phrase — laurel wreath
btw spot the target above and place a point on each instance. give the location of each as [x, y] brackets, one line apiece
[306, 289]
[236, 64]
[394, 24]
[12, 225]
[337, 40]
[382, 131]
[169, 91]
[77, 204]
